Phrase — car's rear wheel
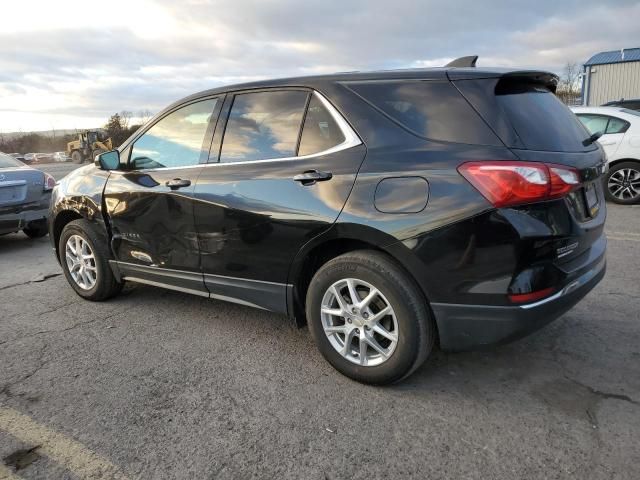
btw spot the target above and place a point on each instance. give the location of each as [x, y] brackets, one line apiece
[36, 229]
[368, 318]
[623, 183]
[84, 260]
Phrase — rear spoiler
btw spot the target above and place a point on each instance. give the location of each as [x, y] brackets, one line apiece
[464, 68]
[469, 61]
[506, 76]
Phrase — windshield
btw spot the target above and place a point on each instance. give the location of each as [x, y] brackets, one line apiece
[7, 161]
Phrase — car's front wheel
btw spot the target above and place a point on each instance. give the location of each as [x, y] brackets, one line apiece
[623, 183]
[368, 318]
[85, 261]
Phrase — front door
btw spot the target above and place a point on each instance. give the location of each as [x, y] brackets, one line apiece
[284, 170]
[149, 203]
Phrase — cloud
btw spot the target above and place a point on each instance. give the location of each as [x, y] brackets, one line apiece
[144, 55]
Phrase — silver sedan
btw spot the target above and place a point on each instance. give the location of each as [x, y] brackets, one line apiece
[24, 198]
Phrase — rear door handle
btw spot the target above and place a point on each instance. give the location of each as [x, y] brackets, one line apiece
[310, 177]
[177, 183]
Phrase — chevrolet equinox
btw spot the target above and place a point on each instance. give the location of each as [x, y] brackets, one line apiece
[389, 211]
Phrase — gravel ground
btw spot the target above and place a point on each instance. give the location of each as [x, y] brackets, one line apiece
[158, 384]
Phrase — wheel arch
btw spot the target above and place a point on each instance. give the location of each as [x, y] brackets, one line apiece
[341, 239]
[60, 221]
[615, 162]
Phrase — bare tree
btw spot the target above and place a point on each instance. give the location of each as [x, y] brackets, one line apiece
[144, 116]
[125, 118]
[568, 90]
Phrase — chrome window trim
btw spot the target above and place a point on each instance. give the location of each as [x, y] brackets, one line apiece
[351, 140]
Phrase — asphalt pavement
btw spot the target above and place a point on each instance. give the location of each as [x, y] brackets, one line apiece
[159, 384]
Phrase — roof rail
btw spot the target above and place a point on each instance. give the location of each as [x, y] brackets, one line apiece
[461, 62]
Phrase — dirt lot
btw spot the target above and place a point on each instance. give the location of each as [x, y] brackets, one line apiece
[157, 384]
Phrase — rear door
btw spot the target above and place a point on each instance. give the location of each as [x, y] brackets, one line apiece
[282, 167]
[149, 203]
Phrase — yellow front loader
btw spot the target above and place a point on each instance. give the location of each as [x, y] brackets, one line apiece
[89, 144]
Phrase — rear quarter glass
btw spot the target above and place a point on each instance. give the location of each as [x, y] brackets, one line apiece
[431, 109]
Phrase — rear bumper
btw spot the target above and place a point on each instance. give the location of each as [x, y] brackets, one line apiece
[468, 327]
[14, 219]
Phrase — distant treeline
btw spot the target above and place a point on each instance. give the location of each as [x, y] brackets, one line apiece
[117, 127]
[34, 142]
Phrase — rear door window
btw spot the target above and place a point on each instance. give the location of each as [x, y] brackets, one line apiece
[430, 109]
[617, 125]
[263, 125]
[594, 123]
[603, 123]
[320, 131]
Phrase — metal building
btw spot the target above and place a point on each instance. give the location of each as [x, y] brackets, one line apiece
[611, 76]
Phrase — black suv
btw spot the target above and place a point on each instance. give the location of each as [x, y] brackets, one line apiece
[389, 211]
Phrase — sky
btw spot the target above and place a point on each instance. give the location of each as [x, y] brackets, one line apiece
[73, 63]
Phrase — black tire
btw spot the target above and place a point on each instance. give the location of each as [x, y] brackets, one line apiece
[96, 152]
[416, 330]
[36, 229]
[106, 285]
[76, 156]
[617, 173]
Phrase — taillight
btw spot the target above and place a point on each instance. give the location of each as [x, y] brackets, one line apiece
[49, 182]
[563, 180]
[506, 183]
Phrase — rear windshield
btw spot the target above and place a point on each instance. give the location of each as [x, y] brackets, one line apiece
[541, 120]
[631, 112]
[7, 161]
[430, 109]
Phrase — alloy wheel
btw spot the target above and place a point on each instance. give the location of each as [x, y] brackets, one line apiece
[81, 262]
[359, 322]
[624, 184]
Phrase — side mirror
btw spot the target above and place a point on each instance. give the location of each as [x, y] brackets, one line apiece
[108, 160]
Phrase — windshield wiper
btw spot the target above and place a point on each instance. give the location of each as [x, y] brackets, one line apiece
[588, 141]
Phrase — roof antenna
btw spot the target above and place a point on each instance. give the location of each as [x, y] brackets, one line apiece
[462, 62]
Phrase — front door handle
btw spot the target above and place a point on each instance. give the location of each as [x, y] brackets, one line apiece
[177, 183]
[310, 177]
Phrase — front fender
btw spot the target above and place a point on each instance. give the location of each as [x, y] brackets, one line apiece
[78, 195]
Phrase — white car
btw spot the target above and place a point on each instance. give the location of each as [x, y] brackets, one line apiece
[60, 157]
[620, 140]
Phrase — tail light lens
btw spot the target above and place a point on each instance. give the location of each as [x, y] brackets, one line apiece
[49, 182]
[507, 183]
[563, 180]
